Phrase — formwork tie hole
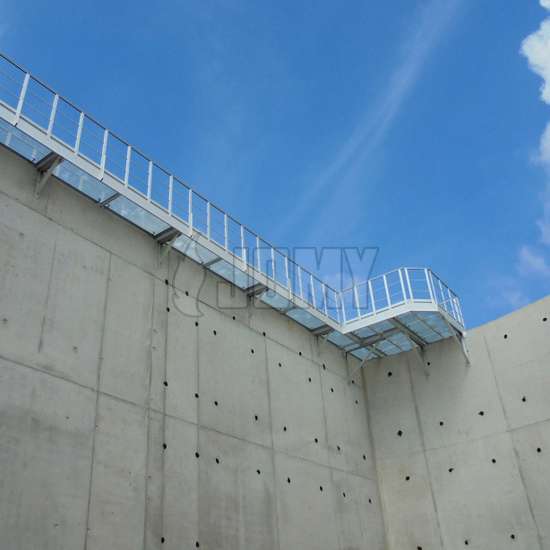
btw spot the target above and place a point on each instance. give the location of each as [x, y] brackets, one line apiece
[197, 545]
[338, 448]
[400, 433]
[407, 478]
[344, 495]
[451, 470]
[196, 323]
[164, 446]
[331, 390]
[524, 399]
[234, 317]
[441, 423]
[288, 480]
[215, 403]
[196, 396]
[466, 542]
[165, 384]
[299, 353]
[284, 428]
[256, 417]
[258, 472]
[217, 460]
[390, 374]
[197, 454]
[309, 379]
[187, 293]
[544, 319]
[324, 367]
[252, 350]
[481, 413]
[370, 500]
[280, 365]
[357, 401]
[166, 281]
[505, 336]
[364, 457]
[214, 332]
[168, 309]
[494, 460]
[263, 333]
[316, 440]
[321, 488]
[162, 540]
[512, 536]
[539, 450]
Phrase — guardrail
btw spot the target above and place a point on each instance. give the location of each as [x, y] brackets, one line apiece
[163, 200]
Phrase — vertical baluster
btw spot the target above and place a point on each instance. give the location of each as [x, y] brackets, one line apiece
[103, 161]
[79, 132]
[387, 290]
[371, 294]
[21, 100]
[356, 300]
[127, 165]
[225, 232]
[402, 284]
[409, 287]
[427, 275]
[53, 113]
[313, 300]
[208, 219]
[190, 207]
[149, 179]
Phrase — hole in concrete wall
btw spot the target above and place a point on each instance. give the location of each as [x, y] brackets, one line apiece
[187, 293]
[481, 413]
[217, 460]
[288, 480]
[214, 332]
[399, 433]
[390, 374]
[512, 536]
[234, 318]
[364, 457]
[164, 446]
[321, 488]
[370, 500]
[196, 396]
[324, 367]
[197, 455]
[338, 448]
[263, 333]
[167, 309]
[407, 478]
[344, 495]
[258, 472]
[316, 440]
[280, 364]
[441, 423]
[505, 336]
[165, 384]
[256, 417]
[196, 323]
[215, 403]
[494, 460]
[252, 350]
[299, 353]
[466, 542]
[331, 390]
[524, 399]
[284, 428]
[309, 379]
[357, 401]
[419, 548]
[539, 450]
[162, 540]
[166, 281]
[353, 382]
[197, 545]
[544, 319]
[428, 363]
[451, 470]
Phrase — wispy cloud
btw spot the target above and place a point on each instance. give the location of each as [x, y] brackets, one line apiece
[532, 259]
[431, 22]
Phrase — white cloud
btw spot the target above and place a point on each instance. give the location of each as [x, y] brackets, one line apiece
[536, 48]
[532, 263]
[545, 4]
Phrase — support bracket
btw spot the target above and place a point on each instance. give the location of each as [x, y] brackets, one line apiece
[165, 240]
[46, 167]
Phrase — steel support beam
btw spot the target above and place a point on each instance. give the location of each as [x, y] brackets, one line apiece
[46, 167]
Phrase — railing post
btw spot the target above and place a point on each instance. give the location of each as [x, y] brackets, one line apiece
[325, 298]
[243, 251]
[79, 132]
[273, 264]
[258, 259]
[403, 293]
[170, 193]
[409, 287]
[208, 219]
[427, 275]
[385, 279]
[287, 273]
[149, 179]
[103, 161]
[21, 100]
[356, 300]
[190, 207]
[127, 166]
[371, 294]
[53, 112]
[314, 301]
[300, 285]
[225, 232]
[342, 307]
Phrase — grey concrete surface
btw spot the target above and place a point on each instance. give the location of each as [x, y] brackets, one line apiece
[462, 451]
[142, 405]
[148, 405]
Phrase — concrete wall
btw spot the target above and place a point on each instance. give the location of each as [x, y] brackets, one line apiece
[463, 451]
[127, 423]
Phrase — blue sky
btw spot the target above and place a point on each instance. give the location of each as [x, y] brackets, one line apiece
[413, 126]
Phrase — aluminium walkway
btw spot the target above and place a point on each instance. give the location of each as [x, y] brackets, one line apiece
[408, 308]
